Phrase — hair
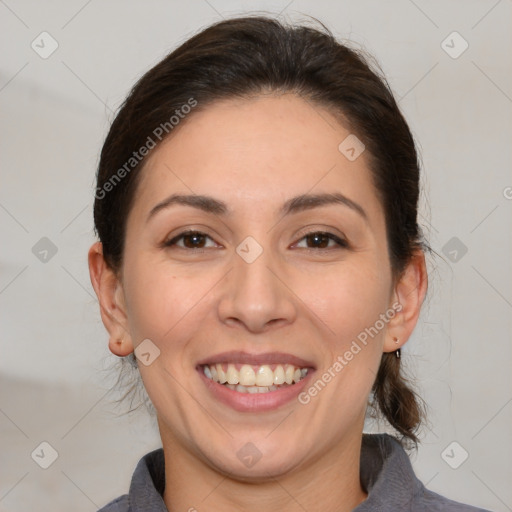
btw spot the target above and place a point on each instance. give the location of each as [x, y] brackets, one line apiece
[251, 56]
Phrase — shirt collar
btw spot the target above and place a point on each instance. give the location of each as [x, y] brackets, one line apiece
[386, 475]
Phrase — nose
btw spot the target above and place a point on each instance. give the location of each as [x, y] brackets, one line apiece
[256, 296]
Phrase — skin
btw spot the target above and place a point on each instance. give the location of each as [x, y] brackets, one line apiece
[254, 154]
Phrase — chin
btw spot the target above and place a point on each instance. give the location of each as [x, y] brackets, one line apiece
[252, 464]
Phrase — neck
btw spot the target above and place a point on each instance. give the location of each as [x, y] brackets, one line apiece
[330, 483]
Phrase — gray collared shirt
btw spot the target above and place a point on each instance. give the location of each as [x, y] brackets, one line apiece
[386, 475]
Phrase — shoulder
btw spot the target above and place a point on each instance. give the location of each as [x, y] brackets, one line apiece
[388, 477]
[432, 502]
[146, 488]
[121, 504]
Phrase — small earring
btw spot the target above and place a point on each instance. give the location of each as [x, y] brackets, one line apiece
[397, 352]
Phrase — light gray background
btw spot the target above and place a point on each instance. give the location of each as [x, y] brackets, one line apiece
[55, 113]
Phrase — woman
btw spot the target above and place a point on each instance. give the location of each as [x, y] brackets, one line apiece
[259, 254]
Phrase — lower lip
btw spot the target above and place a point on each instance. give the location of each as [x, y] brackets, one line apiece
[254, 402]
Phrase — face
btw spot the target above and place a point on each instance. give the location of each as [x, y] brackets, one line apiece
[256, 266]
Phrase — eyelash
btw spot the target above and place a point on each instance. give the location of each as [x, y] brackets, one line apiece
[342, 244]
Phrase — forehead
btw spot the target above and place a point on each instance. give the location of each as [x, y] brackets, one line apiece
[257, 152]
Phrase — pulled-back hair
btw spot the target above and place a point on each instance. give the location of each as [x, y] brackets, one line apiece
[245, 57]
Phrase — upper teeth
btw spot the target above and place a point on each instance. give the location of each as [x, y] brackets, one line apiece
[255, 375]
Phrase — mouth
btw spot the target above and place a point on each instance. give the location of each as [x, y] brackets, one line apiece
[246, 378]
[249, 382]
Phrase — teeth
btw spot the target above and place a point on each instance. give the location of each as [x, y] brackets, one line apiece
[289, 373]
[279, 376]
[253, 389]
[265, 376]
[247, 375]
[221, 376]
[232, 375]
[255, 379]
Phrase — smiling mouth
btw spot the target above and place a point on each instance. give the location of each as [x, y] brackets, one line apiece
[246, 378]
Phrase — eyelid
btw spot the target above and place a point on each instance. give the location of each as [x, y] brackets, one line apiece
[340, 241]
[329, 231]
[171, 241]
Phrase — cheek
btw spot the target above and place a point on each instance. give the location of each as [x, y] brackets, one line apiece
[156, 300]
[347, 299]
[169, 307]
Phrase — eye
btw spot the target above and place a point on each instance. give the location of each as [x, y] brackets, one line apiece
[321, 240]
[190, 240]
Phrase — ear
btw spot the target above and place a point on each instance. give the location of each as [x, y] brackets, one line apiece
[409, 291]
[110, 293]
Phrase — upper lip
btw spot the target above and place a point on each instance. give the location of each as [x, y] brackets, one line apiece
[257, 359]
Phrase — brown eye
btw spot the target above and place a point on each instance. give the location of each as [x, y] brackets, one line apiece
[190, 240]
[318, 240]
[321, 240]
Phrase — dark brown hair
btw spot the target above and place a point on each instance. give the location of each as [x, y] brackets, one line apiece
[244, 57]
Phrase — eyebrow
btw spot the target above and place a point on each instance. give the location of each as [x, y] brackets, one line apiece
[296, 204]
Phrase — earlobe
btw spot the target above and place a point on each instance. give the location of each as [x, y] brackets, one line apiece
[409, 292]
[120, 347]
[109, 291]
